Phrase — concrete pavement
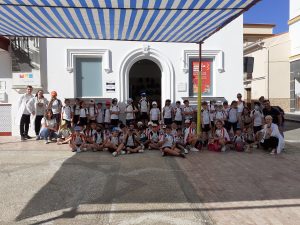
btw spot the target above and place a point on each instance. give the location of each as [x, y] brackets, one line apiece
[48, 184]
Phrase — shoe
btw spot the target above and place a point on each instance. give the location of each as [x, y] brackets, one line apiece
[78, 150]
[193, 149]
[27, 136]
[272, 152]
[182, 155]
[47, 142]
[141, 151]
[123, 152]
[37, 138]
[143, 147]
[73, 150]
[223, 149]
[185, 151]
[105, 149]
[23, 138]
[149, 148]
[114, 154]
[163, 154]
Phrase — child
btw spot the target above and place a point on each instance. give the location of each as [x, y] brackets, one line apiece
[49, 127]
[113, 142]
[154, 113]
[257, 117]
[219, 139]
[220, 114]
[90, 132]
[250, 139]
[174, 129]
[77, 140]
[167, 112]
[188, 111]
[64, 134]
[142, 136]
[76, 112]
[212, 111]
[226, 109]
[55, 105]
[238, 141]
[167, 145]
[232, 117]
[179, 141]
[107, 115]
[245, 119]
[131, 142]
[84, 113]
[178, 114]
[98, 140]
[154, 137]
[99, 118]
[144, 108]
[191, 139]
[93, 111]
[67, 113]
[205, 122]
[130, 111]
[114, 113]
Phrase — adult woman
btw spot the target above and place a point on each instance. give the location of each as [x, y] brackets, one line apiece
[55, 105]
[37, 107]
[49, 126]
[271, 137]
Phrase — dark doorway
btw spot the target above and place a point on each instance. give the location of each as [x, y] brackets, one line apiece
[145, 76]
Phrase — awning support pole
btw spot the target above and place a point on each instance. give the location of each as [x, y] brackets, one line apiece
[199, 100]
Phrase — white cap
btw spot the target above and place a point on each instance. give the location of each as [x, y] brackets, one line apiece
[150, 123]
[154, 103]
[187, 121]
[140, 123]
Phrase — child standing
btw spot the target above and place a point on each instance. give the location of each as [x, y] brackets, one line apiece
[93, 111]
[233, 117]
[154, 113]
[205, 121]
[67, 113]
[55, 105]
[84, 113]
[178, 114]
[188, 111]
[76, 112]
[144, 107]
[114, 113]
[107, 115]
[257, 117]
[99, 118]
[130, 111]
[167, 112]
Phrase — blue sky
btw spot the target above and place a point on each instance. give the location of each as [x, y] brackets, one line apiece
[270, 11]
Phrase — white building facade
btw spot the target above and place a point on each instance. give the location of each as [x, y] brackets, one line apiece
[121, 69]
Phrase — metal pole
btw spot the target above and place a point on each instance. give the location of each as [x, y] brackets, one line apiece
[199, 100]
[268, 73]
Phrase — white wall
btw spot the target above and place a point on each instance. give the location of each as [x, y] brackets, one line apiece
[294, 8]
[294, 29]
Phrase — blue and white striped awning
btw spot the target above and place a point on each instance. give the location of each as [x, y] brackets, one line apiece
[133, 20]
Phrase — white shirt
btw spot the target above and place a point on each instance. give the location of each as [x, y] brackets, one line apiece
[130, 141]
[77, 110]
[49, 123]
[100, 116]
[99, 139]
[66, 111]
[212, 112]
[154, 113]
[187, 132]
[240, 107]
[222, 133]
[167, 112]
[56, 106]
[178, 114]
[114, 108]
[83, 112]
[188, 109]
[206, 117]
[144, 105]
[92, 112]
[107, 116]
[220, 115]
[168, 138]
[257, 118]
[37, 105]
[129, 112]
[232, 115]
[23, 101]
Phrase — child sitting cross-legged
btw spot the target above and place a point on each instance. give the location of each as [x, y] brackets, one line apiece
[219, 139]
[168, 146]
[90, 133]
[77, 140]
[238, 141]
[113, 143]
[193, 142]
[249, 137]
[64, 133]
[131, 142]
[98, 140]
[179, 141]
[153, 137]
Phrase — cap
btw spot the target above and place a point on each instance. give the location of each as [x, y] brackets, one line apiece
[187, 121]
[129, 100]
[150, 123]
[53, 93]
[154, 103]
[107, 102]
[143, 94]
[77, 128]
[115, 129]
[140, 123]
[154, 125]
[164, 126]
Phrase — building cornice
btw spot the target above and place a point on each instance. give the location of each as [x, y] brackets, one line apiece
[294, 20]
[294, 57]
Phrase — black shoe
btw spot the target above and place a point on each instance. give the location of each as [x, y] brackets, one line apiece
[23, 138]
[27, 136]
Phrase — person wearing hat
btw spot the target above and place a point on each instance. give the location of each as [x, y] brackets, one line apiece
[106, 114]
[167, 112]
[23, 115]
[154, 137]
[55, 105]
[114, 113]
[130, 111]
[155, 113]
[144, 107]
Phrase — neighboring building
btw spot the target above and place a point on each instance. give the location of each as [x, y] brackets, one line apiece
[266, 65]
[294, 30]
[122, 69]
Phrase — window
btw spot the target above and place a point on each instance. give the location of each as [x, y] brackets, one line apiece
[207, 81]
[88, 77]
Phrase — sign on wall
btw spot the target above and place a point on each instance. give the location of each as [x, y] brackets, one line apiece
[207, 88]
[24, 79]
[110, 86]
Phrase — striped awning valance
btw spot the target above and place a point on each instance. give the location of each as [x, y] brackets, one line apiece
[134, 20]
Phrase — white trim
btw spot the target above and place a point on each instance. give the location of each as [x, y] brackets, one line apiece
[216, 55]
[105, 54]
[165, 65]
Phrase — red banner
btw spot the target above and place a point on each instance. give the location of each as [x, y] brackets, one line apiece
[206, 77]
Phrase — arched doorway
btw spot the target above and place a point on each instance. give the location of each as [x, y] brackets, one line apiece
[145, 76]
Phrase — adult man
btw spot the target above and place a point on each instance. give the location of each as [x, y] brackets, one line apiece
[276, 115]
[23, 116]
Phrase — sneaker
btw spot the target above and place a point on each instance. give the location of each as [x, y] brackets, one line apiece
[105, 149]
[23, 138]
[223, 149]
[163, 154]
[123, 152]
[193, 149]
[272, 152]
[78, 150]
[37, 138]
[185, 151]
[141, 151]
[27, 136]
[47, 142]
[114, 154]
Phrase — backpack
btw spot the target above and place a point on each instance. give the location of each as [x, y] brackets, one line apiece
[281, 111]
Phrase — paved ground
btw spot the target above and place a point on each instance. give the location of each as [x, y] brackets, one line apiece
[47, 184]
